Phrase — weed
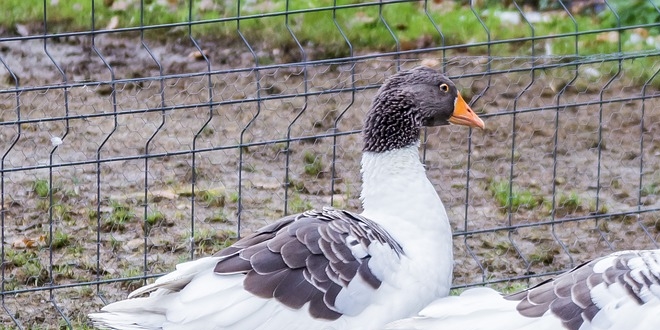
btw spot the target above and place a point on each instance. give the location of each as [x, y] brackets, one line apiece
[85, 291]
[29, 269]
[43, 205]
[297, 204]
[313, 163]
[650, 189]
[602, 207]
[63, 270]
[115, 244]
[513, 287]
[298, 186]
[154, 218]
[212, 197]
[218, 216]
[60, 239]
[249, 167]
[279, 148]
[338, 203]
[233, 197]
[92, 214]
[41, 188]
[75, 250]
[118, 218]
[543, 255]
[570, 202]
[209, 241]
[62, 212]
[127, 272]
[208, 131]
[456, 292]
[515, 197]
[18, 258]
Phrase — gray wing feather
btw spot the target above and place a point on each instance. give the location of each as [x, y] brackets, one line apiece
[569, 296]
[307, 258]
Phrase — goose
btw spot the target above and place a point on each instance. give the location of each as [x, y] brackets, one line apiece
[329, 268]
[617, 291]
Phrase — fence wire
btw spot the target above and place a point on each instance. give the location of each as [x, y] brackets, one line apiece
[129, 146]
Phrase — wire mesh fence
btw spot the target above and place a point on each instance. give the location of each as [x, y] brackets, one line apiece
[130, 146]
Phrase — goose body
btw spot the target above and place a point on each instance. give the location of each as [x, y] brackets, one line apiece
[329, 268]
[620, 291]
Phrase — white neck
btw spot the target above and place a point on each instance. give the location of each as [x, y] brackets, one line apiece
[394, 183]
[397, 194]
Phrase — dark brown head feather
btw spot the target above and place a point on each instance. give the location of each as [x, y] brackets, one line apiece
[405, 103]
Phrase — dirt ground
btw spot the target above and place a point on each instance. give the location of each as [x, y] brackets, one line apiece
[126, 215]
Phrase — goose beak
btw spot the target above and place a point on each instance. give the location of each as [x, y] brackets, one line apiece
[463, 114]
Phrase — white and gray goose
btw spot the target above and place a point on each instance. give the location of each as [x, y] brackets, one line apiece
[619, 291]
[329, 269]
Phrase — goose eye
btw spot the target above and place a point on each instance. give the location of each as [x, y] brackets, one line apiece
[444, 88]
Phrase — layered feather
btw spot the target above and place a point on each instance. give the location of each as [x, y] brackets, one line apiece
[618, 291]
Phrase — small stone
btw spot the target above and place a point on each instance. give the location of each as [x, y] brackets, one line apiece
[134, 244]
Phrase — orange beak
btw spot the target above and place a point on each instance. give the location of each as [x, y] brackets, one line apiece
[463, 114]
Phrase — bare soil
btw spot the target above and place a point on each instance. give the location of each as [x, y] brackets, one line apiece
[158, 105]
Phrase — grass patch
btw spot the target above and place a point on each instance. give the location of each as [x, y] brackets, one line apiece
[118, 218]
[154, 218]
[128, 271]
[380, 27]
[570, 202]
[26, 267]
[543, 255]
[515, 197]
[218, 217]
[212, 197]
[115, 244]
[60, 239]
[298, 205]
[313, 163]
[209, 241]
[233, 197]
[513, 287]
[41, 188]
[650, 189]
[602, 207]
[62, 212]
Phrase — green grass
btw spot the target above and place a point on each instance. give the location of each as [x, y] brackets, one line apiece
[313, 163]
[60, 240]
[233, 197]
[127, 271]
[212, 197]
[571, 201]
[119, 217]
[650, 189]
[62, 212]
[218, 217]
[543, 255]
[41, 188]
[508, 288]
[153, 218]
[29, 269]
[362, 26]
[210, 241]
[115, 244]
[297, 204]
[517, 198]
[513, 287]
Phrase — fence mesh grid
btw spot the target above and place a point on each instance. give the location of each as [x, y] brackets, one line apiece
[125, 153]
